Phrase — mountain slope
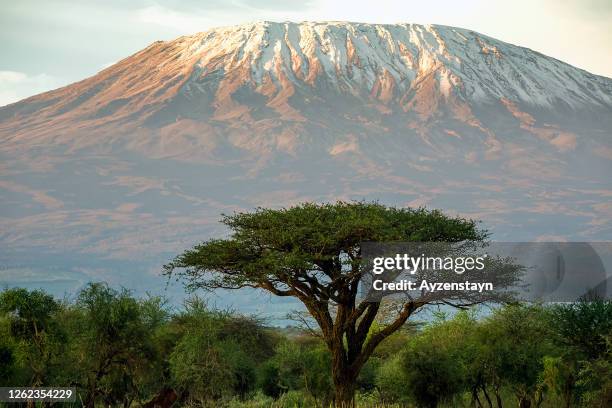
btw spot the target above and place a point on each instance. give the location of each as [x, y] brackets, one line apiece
[139, 160]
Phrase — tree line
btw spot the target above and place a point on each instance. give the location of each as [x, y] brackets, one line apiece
[119, 350]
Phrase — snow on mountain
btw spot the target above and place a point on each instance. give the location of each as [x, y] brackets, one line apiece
[358, 57]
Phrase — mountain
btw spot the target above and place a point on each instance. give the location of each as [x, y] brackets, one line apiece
[137, 162]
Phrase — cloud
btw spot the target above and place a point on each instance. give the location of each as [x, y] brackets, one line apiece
[165, 17]
[15, 85]
[189, 18]
[12, 77]
[596, 9]
[127, 207]
[137, 184]
[38, 196]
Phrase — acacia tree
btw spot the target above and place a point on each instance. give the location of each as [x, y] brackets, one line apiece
[313, 252]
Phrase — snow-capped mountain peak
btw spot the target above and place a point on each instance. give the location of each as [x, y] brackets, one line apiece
[229, 72]
[358, 57]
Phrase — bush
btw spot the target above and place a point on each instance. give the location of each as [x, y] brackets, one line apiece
[120, 350]
[295, 399]
[391, 381]
[258, 400]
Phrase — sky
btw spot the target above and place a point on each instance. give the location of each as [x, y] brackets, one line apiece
[45, 44]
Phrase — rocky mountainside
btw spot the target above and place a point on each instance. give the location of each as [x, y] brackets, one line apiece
[139, 160]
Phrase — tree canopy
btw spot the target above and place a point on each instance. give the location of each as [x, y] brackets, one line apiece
[120, 350]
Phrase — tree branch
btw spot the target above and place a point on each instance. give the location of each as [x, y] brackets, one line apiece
[375, 339]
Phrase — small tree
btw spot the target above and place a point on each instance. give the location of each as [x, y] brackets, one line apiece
[30, 315]
[113, 342]
[301, 364]
[580, 331]
[582, 327]
[515, 341]
[436, 362]
[215, 353]
[313, 252]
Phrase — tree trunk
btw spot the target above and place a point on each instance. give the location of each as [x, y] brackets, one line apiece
[164, 399]
[486, 394]
[90, 398]
[524, 402]
[345, 383]
[498, 399]
[345, 379]
[475, 398]
[568, 391]
[344, 394]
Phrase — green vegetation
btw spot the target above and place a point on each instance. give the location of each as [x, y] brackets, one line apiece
[121, 351]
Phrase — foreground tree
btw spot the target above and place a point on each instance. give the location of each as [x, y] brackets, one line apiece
[216, 354]
[38, 338]
[514, 344]
[582, 331]
[113, 340]
[313, 253]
